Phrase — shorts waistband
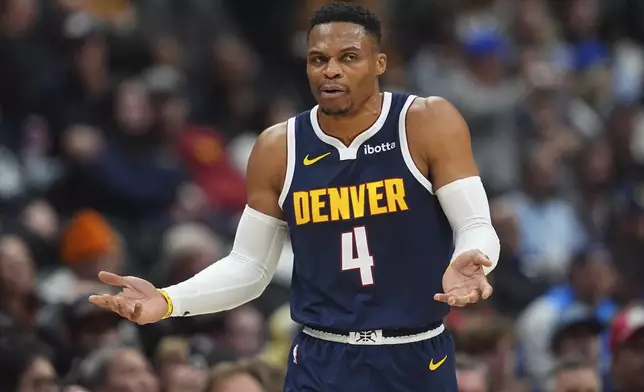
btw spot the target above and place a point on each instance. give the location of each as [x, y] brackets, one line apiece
[375, 337]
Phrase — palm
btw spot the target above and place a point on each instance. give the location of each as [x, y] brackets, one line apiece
[138, 300]
[464, 281]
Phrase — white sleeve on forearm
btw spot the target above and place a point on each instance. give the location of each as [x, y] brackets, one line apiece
[465, 205]
[239, 277]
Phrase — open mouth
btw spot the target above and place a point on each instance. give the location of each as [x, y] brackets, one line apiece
[331, 91]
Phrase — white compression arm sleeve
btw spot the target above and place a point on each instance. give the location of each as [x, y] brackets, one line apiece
[465, 205]
[239, 277]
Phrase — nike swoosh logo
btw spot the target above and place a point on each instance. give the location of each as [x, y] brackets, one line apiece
[308, 161]
[433, 366]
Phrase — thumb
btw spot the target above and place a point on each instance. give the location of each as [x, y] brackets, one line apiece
[483, 260]
[110, 278]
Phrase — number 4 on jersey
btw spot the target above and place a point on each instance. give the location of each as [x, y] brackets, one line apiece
[363, 260]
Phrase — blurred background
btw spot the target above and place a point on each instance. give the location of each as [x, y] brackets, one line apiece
[125, 127]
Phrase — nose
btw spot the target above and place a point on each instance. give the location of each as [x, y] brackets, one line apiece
[333, 70]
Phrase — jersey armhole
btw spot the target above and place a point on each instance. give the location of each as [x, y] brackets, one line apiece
[404, 147]
[290, 160]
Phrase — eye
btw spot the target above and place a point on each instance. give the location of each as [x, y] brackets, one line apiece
[349, 57]
[318, 59]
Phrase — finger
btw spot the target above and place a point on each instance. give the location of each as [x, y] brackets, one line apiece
[99, 300]
[120, 309]
[474, 296]
[114, 306]
[482, 259]
[451, 300]
[138, 309]
[110, 278]
[487, 290]
[107, 301]
[125, 308]
[459, 301]
[441, 297]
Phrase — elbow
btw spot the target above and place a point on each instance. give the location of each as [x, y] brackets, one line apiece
[261, 286]
[257, 289]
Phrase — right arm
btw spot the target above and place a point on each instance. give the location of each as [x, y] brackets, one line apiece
[244, 274]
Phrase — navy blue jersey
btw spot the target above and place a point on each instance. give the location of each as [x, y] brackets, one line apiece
[370, 240]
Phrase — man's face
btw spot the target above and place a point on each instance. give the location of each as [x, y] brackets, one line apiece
[245, 332]
[129, 371]
[343, 64]
[39, 377]
[578, 380]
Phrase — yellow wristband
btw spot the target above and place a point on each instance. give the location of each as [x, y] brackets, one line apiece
[169, 301]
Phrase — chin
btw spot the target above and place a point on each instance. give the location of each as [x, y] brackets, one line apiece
[336, 111]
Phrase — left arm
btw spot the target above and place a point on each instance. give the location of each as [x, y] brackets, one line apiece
[441, 148]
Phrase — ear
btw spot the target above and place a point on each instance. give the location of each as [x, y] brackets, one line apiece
[381, 63]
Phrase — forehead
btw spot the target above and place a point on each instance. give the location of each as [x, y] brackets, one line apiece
[336, 36]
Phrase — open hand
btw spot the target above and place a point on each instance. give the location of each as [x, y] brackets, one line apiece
[138, 301]
[464, 282]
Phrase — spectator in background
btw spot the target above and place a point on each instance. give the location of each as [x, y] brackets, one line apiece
[81, 88]
[545, 218]
[586, 54]
[627, 238]
[575, 375]
[24, 58]
[514, 288]
[185, 250]
[627, 342]
[186, 378]
[245, 376]
[591, 283]
[39, 226]
[175, 369]
[118, 369]
[88, 329]
[171, 352]
[18, 300]
[89, 245]
[202, 148]
[26, 366]
[471, 375]
[282, 329]
[596, 176]
[490, 339]
[244, 332]
[229, 95]
[578, 334]
[127, 176]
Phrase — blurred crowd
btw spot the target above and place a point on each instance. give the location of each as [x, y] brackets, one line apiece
[125, 127]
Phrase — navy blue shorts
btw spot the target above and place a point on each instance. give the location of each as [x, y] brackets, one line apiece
[317, 365]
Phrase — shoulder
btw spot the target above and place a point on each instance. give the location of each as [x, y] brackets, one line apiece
[273, 136]
[427, 111]
[268, 157]
[433, 126]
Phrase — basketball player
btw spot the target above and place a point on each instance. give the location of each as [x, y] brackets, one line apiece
[379, 194]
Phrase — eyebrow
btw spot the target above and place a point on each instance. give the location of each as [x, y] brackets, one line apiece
[351, 48]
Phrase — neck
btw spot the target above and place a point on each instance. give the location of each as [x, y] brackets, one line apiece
[346, 128]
